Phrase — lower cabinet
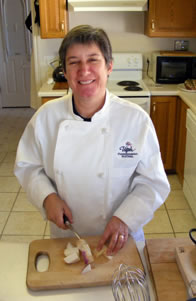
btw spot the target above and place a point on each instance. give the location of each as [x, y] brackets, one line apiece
[181, 139]
[45, 99]
[163, 115]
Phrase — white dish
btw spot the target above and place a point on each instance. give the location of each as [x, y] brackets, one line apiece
[183, 88]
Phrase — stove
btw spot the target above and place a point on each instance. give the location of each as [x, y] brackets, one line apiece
[125, 80]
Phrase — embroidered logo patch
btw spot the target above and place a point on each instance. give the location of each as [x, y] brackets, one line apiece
[127, 150]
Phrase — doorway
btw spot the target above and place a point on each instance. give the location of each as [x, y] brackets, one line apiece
[15, 54]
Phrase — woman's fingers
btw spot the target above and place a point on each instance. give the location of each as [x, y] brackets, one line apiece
[112, 244]
[117, 242]
[116, 233]
[55, 208]
[121, 241]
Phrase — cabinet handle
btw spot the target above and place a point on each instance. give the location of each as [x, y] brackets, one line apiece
[154, 107]
[152, 25]
[62, 26]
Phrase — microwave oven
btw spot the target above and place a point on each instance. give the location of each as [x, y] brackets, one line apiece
[173, 67]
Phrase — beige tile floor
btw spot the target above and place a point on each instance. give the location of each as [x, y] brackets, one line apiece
[20, 221]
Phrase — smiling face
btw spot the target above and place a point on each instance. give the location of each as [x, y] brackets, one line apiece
[87, 72]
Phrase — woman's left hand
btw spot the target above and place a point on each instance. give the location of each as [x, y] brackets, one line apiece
[116, 232]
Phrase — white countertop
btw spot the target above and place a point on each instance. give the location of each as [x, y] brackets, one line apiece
[47, 91]
[172, 90]
[161, 90]
[13, 265]
[189, 99]
[155, 90]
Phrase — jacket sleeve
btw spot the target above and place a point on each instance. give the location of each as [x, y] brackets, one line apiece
[29, 168]
[149, 185]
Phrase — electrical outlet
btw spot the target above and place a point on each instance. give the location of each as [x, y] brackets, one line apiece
[181, 45]
[48, 59]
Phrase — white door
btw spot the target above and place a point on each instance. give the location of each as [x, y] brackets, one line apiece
[15, 51]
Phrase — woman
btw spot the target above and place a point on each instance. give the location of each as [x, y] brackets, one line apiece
[71, 158]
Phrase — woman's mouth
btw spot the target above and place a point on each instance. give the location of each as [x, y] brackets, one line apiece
[86, 82]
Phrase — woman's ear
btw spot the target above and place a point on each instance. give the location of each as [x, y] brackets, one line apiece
[110, 67]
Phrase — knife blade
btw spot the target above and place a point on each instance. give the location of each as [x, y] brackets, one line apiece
[69, 225]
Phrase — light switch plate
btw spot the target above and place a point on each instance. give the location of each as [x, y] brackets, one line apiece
[181, 45]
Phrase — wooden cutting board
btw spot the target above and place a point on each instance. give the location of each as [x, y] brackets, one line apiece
[61, 275]
[164, 271]
[60, 86]
[177, 53]
[186, 260]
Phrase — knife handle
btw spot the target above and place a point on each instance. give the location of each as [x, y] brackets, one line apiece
[69, 225]
[65, 219]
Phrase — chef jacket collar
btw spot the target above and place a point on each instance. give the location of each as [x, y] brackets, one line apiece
[76, 112]
[98, 115]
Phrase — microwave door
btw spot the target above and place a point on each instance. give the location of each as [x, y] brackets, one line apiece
[173, 70]
[194, 68]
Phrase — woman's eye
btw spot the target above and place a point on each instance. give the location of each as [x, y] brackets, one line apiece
[93, 60]
[70, 62]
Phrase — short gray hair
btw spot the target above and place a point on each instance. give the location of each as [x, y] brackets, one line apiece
[86, 34]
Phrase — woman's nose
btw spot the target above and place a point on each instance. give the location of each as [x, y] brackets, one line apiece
[84, 67]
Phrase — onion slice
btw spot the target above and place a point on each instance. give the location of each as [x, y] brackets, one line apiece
[86, 269]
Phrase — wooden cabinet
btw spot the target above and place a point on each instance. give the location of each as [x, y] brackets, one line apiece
[171, 18]
[181, 139]
[163, 114]
[53, 18]
[45, 99]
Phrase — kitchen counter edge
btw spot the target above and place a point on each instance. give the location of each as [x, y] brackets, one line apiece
[155, 90]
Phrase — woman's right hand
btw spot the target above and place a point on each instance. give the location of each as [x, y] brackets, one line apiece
[55, 208]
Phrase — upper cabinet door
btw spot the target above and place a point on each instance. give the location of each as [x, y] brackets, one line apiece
[53, 18]
[171, 18]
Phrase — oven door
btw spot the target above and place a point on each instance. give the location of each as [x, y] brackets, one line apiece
[142, 101]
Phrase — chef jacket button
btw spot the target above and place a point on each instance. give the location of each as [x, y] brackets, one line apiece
[58, 172]
[104, 130]
[100, 174]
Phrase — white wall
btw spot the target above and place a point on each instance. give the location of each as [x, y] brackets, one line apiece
[125, 30]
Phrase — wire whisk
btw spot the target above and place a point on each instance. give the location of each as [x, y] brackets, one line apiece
[129, 283]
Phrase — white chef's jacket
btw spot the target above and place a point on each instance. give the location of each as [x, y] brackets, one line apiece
[109, 166]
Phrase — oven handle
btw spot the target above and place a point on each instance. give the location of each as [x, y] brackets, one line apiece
[143, 102]
[137, 99]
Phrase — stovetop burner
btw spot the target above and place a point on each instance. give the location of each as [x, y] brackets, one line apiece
[129, 83]
[133, 88]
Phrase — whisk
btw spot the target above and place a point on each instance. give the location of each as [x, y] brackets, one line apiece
[129, 283]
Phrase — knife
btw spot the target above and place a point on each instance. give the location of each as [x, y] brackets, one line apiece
[69, 225]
